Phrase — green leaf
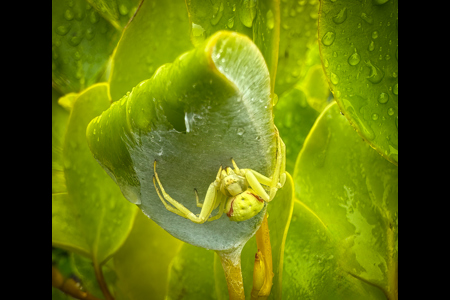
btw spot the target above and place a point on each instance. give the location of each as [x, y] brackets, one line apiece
[81, 44]
[213, 103]
[311, 260]
[354, 193]
[117, 12]
[92, 218]
[59, 124]
[298, 34]
[191, 274]
[157, 34]
[359, 48]
[259, 20]
[142, 263]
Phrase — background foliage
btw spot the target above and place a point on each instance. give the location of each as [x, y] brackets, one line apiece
[334, 71]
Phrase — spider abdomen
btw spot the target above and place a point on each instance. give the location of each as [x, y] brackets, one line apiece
[244, 206]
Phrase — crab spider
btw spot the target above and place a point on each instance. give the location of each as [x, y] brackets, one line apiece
[239, 192]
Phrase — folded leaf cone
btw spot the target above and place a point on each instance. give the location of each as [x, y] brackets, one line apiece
[192, 116]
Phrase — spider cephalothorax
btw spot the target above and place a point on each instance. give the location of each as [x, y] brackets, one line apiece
[239, 192]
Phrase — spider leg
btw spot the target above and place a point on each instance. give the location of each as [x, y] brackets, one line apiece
[207, 205]
[256, 185]
[222, 199]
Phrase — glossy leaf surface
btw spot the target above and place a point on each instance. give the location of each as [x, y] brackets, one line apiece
[298, 34]
[354, 192]
[142, 263]
[359, 48]
[212, 104]
[259, 20]
[81, 44]
[158, 33]
[92, 218]
[117, 12]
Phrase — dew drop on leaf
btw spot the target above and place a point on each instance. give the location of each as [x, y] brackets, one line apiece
[383, 98]
[68, 15]
[354, 59]
[376, 74]
[328, 38]
[341, 16]
[367, 18]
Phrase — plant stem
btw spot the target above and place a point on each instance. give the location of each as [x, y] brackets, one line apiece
[101, 280]
[69, 286]
[231, 264]
[263, 244]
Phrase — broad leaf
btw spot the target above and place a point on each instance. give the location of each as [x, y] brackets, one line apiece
[81, 44]
[359, 48]
[212, 104]
[259, 20]
[92, 218]
[59, 124]
[312, 263]
[142, 263]
[298, 34]
[157, 34]
[117, 12]
[354, 192]
[191, 274]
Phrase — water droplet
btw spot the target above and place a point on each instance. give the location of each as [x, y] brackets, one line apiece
[123, 10]
[395, 89]
[376, 74]
[374, 116]
[367, 18]
[68, 15]
[328, 38]
[62, 30]
[217, 13]
[270, 20]
[248, 12]
[354, 59]
[90, 34]
[390, 111]
[230, 22]
[93, 17]
[334, 78]
[75, 40]
[240, 131]
[383, 98]
[341, 16]
[375, 34]
[371, 46]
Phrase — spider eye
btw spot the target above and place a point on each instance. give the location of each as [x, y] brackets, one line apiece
[244, 206]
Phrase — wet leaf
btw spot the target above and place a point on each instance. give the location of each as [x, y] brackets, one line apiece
[117, 12]
[191, 274]
[359, 49]
[259, 20]
[354, 193]
[92, 218]
[81, 44]
[142, 263]
[298, 35]
[213, 103]
[158, 33]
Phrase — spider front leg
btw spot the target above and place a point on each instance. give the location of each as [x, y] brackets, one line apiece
[207, 206]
